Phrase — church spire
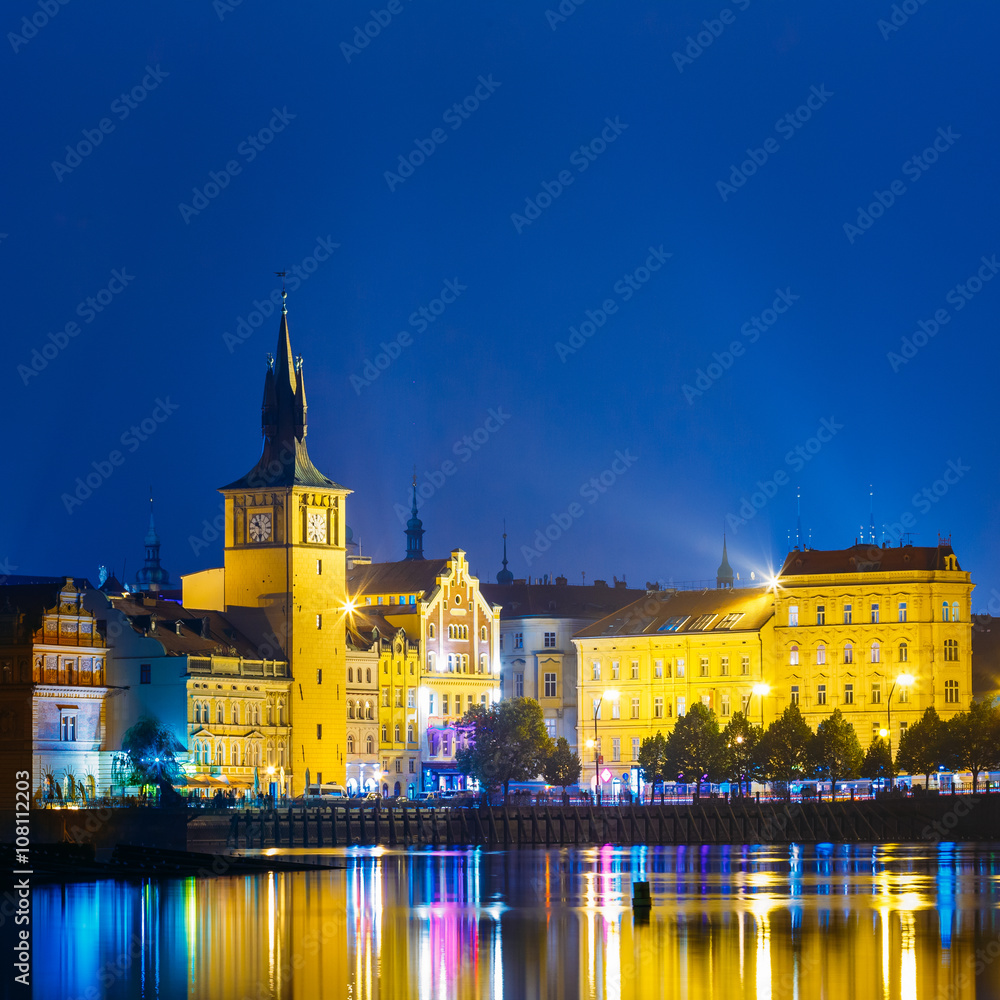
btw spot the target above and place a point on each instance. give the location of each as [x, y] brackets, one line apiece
[152, 577]
[284, 460]
[414, 528]
[724, 577]
[505, 575]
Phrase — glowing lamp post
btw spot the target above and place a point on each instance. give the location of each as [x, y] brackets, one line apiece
[610, 695]
[904, 681]
[761, 690]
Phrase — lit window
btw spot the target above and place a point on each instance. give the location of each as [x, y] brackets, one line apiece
[550, 728]
[597, 708]
[616, 712]
[730, 620]
[615, 671]
[903, 652]
[951, 649]
[848, 694]
[616, 748]
[596, 668]
[821, 653]
[875, 614]
[681, 706]
[876, 694]
[848, 653]
[954, 611]
[902, 611]
[519, 640]
[944, 611]
[745, 665]
[658, 668]
[635, 748]
[680, 666]
[724, 705]
[795, 694]
[635, 670]
[876, 652]
[820, 614]
[635, 708]
[848, 614]
[673, 624]
[724, 666]
[793, 614]
[951, 692]
[703, 666]
[904, 695]
[411, 698]
[793, 656]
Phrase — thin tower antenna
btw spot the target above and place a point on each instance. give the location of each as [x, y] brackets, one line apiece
[798, 517]
[871, 512]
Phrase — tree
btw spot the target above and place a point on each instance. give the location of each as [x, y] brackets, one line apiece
[562, 766]
[506, 742]
[653, 760]
[783, 752]
[877, 762]
[921, 747]
[147, 758]
[740, 740]
[836, 752]
[971, 740]
[694, 746]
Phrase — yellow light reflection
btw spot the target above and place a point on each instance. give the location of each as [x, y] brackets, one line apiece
[761, 907]
[908, 959]
[883, 915]
[270, 929]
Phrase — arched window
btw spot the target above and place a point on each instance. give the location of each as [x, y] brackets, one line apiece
[954, 611]
[409, 733]
[482, 633]
[281, 753]
[255, 750]
[350, 675]
[944, 611]
[197, 711]
[369, 675]
[369, 710]
[281, 712]
[350, 709]
[220, 718]
[218, 754]
[793, 655]
[876, 652]
[951, 649]
[369, 746]
[848, 653]
[903, 652]
[385, 733]
[234, 755]
[821, 653]
[236, 715]
[395, 734]
[430, 631]
[350, 743]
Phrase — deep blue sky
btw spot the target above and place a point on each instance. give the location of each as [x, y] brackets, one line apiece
[883, 102]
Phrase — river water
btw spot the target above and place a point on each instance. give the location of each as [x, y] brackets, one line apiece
[845, 922]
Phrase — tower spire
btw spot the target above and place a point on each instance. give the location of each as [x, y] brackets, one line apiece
[505, 576]
[152, 577]
[724, 576]
[414, 528]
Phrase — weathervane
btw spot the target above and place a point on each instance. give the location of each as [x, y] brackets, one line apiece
[284, 294]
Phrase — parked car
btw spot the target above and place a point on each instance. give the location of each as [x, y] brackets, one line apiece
[326, 794]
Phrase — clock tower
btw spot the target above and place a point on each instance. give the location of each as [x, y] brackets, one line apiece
[285, 555]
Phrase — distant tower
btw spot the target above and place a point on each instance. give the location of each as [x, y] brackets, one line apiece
[505, 575]
[152, 577]
[414, 529]
[724, 577]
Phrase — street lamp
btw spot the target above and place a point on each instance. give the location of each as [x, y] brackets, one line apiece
[611, 695]
[904, 681]
[761, 689]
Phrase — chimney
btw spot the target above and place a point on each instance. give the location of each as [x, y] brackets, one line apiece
[561, 581]
[601, 583]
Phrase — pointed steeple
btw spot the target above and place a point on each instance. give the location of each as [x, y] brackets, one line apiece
[505, 575]
[414, 528]
[724, 577]
[284, 460]
[152, 577]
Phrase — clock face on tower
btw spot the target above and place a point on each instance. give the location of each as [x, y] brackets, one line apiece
[316, 526]
[260, 528]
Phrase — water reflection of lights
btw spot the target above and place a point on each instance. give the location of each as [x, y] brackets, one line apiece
[908, 959]
[270, 931]
[761, 908]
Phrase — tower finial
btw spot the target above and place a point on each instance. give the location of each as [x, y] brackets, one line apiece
[505, 575]
[284, 294]
[414, 528]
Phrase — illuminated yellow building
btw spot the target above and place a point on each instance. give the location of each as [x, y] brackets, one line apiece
[875, 632]
[456, 631]
[284, 579]
[853, 626]
[646, 665]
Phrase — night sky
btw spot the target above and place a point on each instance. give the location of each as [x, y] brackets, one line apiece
[610, 197]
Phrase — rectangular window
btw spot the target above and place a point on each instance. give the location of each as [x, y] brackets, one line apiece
[848, 614]
[902, 729]
[744, 703]
[550, 728]
[145, 673]
[616, 709]
[904, 695]
[399, 697]
[681, 706]
[635, 748]
[821, 653]
[874, 614]
[658, 668]
[430, 703]
[795, 694]
[876, 694]
[519, 640]
[657, 708]
[616, 748]
[902, 611]
[319, 730]
[319, 621]
[550, 640]
[820, 614]
[724, 666]
[413, 766]
[446, 744]
[411, 697]
[596, 669]
[951, 692]
[724, 705]
[635, 708]
[744, 665]
[444, 704]
[468, 702]
[385, 697]
[319, 567]
[821, 694]
[876, 726]
[702, 623]
[635, 670]
[730, 620]
[848, 694]
[550, 685]
[793, 614]
[848, 653]
[680, 666]
[673, 624]
[703, 666]
[596, 714]
[518, 685]
[67, 728]
[793, 656]
[319, 675]
[615, 670]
